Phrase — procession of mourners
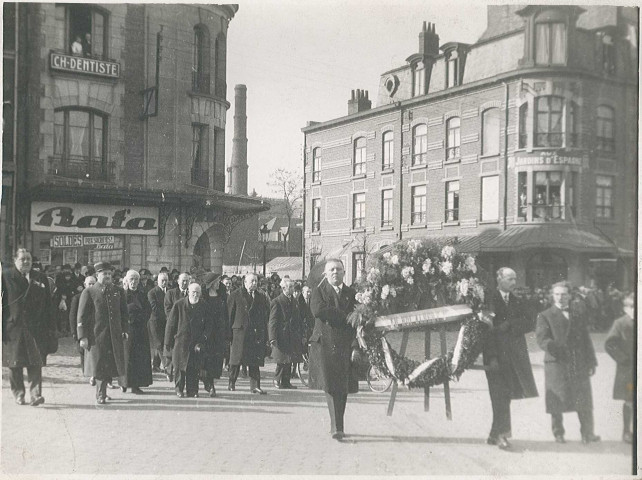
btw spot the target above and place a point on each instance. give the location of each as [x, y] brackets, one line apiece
[194, 328]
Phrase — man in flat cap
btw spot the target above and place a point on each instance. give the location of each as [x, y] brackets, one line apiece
[102, 326]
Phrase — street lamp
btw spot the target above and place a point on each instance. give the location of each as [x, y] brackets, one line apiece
[265, 236]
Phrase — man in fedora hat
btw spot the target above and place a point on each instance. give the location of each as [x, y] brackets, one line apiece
[102, 325]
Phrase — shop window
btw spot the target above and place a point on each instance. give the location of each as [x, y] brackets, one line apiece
[548, 121]
[604, 196]
[453, 138]
[452, 202]
[523, 129]
[605, 137]
[201, 62]
[87, 30]
[522, 195]
[359, 210]
[419, 81]
[316, 214]
[358, 265]
[316, 165]
[607, 53]
[550, 43]
[200, 155]
[80, 140]
[418, 214]
[388, 150]
[547, 191]
[491, 121]
[419, 144]
[359, 163]
[490, 198]
[386, 208]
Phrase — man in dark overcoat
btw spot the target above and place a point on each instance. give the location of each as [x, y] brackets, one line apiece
[28, 323]
[171, 297]
[569, 362]
[285, 333]
[158, 322]
[103, 324]
[620, 345]
[88, 281]
[248, 311]
[137, 352]
[186, 335]
[215, 299]
[508, 367]
[333, 344]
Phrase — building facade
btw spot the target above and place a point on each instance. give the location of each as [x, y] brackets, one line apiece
[119, 118]
[522, 146]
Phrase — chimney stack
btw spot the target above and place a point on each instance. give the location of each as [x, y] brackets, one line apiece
[238, 167]
[428, 41]
[359, 102]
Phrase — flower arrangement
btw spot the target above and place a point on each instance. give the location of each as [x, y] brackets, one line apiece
[415, 275]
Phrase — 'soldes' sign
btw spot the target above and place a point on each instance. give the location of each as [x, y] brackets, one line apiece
[90, 66]
[90, 219]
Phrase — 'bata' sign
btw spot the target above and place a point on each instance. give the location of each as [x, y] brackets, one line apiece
[91, 219]
[90, 66]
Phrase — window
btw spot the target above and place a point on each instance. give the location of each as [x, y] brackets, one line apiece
[522, 199]
[572, 137]
[452, 70]
[547, 195]
[388, 150]
[607, 54]
[490, 198]
[605, 129]
[419, 144]
[452, 201]
[87, 29]
[604, 196]
[80, 140]
[359, 156]
[548, 122]
[386, 208]
[453, 138]
[316, 165]
[358, 265]
[418, 214]
[316, 214]
[200, 155]
[359, 210]
[419, 81]
[523, 129]
[550, 43]
[201, 62]
[490, 131]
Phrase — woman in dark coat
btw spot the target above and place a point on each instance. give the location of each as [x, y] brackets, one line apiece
[137, 353]
[216, 308]
[569, 362]
[619, 345]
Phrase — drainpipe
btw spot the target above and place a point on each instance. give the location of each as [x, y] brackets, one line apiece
[400, 235]
[505, 153]
[305, 141]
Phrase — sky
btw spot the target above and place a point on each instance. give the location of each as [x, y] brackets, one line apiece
[300, 60]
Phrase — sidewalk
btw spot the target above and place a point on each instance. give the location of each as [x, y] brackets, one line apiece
[287, 432]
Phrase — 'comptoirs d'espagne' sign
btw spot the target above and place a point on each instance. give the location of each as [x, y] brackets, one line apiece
[89, 66]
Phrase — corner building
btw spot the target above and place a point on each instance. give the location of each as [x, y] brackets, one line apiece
[522, 146]
[119, 138]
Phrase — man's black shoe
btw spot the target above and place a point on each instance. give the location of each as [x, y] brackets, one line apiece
[137, 391]
[37, 401]
[491, 440]
[259, 391]
[192, 395]
[289, 386]
[20, 399]
[100, 401]
[212, 392]
[180, 394]
[338, 435]
[92, 381]
[503, 443]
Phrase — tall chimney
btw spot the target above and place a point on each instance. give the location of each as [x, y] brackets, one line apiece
[238, 167]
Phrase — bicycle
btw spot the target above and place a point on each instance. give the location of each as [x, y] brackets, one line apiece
[377, 381]
[303, 369]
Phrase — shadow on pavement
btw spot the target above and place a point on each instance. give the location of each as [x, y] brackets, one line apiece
[116, 405]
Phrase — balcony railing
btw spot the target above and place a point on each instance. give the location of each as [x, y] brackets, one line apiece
[82, 168]
[419, 159]
[417, 218]
[200, 177]
[452, 153]
[386, 222]
[359, 168]
[316, 226]
[451, 215]
[359, 222]
[201, 82]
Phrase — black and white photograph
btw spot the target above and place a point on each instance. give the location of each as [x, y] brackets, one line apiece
[329, 237]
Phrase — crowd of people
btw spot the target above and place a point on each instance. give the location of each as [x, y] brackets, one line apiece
[129, 325]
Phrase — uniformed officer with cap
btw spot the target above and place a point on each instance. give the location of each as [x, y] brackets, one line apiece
[102, 326]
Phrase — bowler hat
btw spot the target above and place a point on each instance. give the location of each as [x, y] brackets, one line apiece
[210, 278]
[100, 266]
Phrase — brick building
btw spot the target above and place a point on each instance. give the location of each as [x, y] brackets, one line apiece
[117, 117]
[522, 145]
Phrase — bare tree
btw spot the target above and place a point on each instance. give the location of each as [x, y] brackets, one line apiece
[288, 185]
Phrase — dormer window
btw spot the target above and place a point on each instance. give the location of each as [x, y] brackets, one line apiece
[550, 43]
[455, 59]
[452, 68]
[419, 80]
[607, 53]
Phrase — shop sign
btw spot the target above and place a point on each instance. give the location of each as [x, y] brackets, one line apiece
[81, 218]
[98, 241]
[62, 241]
[551, 158]
[90, 66]
[105, 246]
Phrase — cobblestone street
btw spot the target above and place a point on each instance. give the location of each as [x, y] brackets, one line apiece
[286, 432]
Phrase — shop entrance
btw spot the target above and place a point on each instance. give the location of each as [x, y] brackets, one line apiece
[545, 269]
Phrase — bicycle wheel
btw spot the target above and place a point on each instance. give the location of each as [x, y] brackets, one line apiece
[303, 368]
[377, 381]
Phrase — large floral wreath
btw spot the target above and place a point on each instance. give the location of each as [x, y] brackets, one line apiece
[415, 275]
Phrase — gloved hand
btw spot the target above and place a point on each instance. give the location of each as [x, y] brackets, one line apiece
[84, 343]
[197, 348]
[125, 336]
